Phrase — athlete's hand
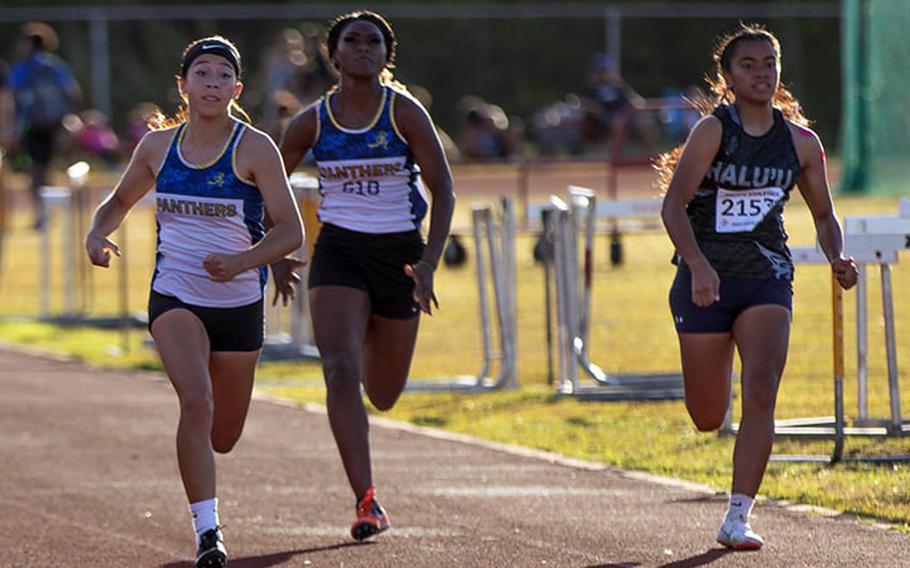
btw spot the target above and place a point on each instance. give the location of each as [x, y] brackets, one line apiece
[286, 280]
[705, 284]
[223, 267]
[845, 272]
[422, 274]
[99, 249]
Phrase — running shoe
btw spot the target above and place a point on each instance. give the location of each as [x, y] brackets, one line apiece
[371, 517]
[211, 553]
[738, 535]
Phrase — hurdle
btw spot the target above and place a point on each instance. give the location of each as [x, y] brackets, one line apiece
[500, 254]
[870, 240]
[573, 309]
[291, 337]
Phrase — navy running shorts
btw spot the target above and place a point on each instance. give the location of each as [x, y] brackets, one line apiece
[736, 295]
[370, 262]
[229, 329]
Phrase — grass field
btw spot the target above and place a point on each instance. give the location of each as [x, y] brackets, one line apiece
[631, 332]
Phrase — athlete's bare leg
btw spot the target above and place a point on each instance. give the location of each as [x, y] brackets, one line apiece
[232, 375]
[341, 316]
[387, 358]
[762, 335]
[184, 348]
[707, 361]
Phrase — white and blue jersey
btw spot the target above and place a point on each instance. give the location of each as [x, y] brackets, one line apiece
[367, 177]
[205, 209]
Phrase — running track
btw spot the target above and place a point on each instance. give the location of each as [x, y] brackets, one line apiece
[88, 478]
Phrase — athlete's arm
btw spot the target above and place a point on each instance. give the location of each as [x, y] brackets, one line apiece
[259, 161]
[135, 182]
[697, 155]
[417, 128]
[299, 136]
[813, 185]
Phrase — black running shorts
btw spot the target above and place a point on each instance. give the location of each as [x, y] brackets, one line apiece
[370, 262]
[736, 295]
[229, 329]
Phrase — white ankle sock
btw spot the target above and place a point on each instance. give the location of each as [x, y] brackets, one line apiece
[739, 508]
[205, 516]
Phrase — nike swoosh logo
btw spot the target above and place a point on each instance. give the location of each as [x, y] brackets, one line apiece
[210, 46]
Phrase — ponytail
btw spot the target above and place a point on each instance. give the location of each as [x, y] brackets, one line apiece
[720, 93]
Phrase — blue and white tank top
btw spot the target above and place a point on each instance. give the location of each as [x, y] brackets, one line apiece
[367, 177]
[205, 209]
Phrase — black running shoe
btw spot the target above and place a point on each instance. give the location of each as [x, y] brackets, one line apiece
[211, 553]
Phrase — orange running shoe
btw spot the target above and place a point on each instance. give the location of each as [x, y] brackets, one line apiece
[371, 517]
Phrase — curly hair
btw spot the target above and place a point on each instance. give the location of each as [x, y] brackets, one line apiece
[721, 93]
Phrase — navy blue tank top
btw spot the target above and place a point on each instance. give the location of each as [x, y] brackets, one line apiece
[737, 211]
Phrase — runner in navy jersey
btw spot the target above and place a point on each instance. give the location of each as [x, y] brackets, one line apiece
[214, 177]
[371, 274]
[723, 209]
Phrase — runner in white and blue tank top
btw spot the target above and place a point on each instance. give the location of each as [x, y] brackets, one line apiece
[204, 209]
[723, 210]
[214, 177]
[368, 178]
[371, 273]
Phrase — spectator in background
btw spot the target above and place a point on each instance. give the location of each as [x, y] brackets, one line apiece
[485, 132]
[7, 138]
[318, 74]
[610, 106]
[137, 125]
[45, 91]
[422, 94]
[93, 136]
[283, 64]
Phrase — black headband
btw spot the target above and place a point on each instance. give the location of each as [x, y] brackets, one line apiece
[214, 47]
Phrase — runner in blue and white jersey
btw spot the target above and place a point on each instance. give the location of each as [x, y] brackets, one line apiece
[214, 177]
[371, 274]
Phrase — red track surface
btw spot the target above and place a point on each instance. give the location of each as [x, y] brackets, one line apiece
[88, 477]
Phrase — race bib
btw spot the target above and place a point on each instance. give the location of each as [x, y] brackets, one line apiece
[741, 211]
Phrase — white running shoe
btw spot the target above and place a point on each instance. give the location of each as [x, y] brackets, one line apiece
[738, 535]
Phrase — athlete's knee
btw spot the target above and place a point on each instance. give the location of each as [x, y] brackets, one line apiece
[706, 420]
[760, 400]
[383, 401]
[197, 407]
[342, 375]
[223, 443]
[707, 423]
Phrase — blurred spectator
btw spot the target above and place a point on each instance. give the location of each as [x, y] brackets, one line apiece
[317, 75]
[485, 131]
[45, 91]
[610, 106]
[7, 137]
[93, 136]
[137, 125]
[453, 154]
[296, 73]
[282, 66]
[558, 127]
[7, 111]
[679, 119]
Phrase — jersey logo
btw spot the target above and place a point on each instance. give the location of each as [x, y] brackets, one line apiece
[218, 180]
[382, 139]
